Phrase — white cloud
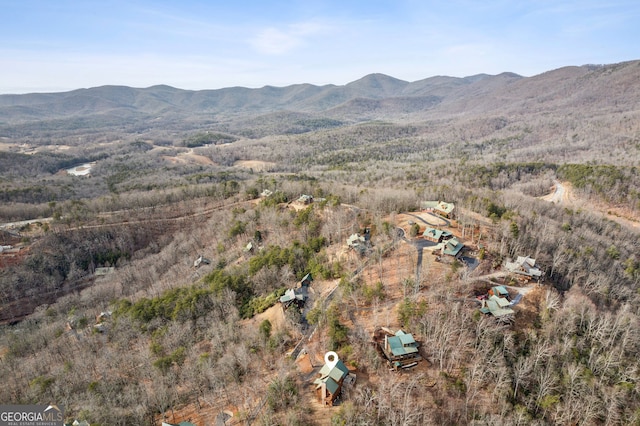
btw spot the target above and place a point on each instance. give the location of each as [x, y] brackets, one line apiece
[274, 41]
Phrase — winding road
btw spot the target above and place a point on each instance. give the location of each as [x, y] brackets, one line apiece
[563, 195]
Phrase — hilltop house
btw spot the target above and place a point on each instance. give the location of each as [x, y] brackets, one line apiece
[524, 265]
[436, 235]
[451, 247]
[498, 303]
[297, 296]
[399, 348]
[305, 199]
[360, 243]
[332, 376]
[439, 207]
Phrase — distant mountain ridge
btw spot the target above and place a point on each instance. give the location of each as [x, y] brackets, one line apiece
[373, 96]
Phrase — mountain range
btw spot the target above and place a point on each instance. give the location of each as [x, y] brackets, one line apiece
[376, 96]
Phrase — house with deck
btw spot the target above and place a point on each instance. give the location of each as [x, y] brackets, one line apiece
[333, 375]
[360, 243]
[525, 266]
[436, 235]
[441, 208]
[400, 349]
[498, 303]
[297, 296]
[451, 247]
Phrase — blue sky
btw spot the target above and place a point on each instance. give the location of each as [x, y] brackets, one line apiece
[48, 45]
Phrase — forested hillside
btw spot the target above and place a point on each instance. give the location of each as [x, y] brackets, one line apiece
[148, 235]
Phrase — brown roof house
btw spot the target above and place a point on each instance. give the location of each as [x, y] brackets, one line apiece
[333, 375]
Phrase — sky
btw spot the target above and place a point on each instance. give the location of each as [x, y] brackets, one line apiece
[59, 45]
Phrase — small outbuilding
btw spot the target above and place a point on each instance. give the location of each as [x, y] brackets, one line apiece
[201, 260]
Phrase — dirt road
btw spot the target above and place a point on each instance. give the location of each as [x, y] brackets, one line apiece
[563, 195]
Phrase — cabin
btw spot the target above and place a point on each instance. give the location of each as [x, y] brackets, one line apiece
[294, 296]
[400, 349]
[400, 346]
[332, 376]
[440, 208]
[297, 296]
[525, 266]
[436, 235]
[498, 304]
[359, 243]
[305, 199]
[451, 247]
[499, 291]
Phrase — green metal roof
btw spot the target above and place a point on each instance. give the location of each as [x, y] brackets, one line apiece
[307, 277]
[453, 247]
[500, 290]
[496, 310]
[501, 301]
[292, 294]
[407, 339]
[337, 372]
[332, 376]
[332, 385]
[288, 296]
[445, 207]
[433, 233]
[429, 204]
[402, 344]
[436, 234]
